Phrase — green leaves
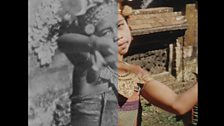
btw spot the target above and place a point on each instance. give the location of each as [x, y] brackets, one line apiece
[45, 51]
[42, 35]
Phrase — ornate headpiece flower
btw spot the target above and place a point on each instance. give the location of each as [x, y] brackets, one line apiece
[125, 10]
[88, 12]
[79, 7]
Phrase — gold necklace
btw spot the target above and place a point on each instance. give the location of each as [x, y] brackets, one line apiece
[123, 75]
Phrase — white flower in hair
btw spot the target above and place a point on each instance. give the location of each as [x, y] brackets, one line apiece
[127, 10]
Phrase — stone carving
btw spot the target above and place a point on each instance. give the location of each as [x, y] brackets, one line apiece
[154, 61]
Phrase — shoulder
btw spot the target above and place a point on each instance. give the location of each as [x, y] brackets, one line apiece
[132, 68]
[139, 72]
[142, 75]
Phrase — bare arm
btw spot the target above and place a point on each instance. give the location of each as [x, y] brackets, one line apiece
[73, 43]
[162, 96]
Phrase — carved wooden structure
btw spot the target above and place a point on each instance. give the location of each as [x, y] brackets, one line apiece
[155, 32]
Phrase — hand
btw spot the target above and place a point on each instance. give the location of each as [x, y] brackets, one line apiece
[141, 73]
[131, 68]
[104, 45]
[97, 62]
[107, 48]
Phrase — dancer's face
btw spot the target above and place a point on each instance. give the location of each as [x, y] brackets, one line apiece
[115, 27]
[124, 35]
[107, 27]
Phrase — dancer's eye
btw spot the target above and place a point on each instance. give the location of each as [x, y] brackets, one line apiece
[107, 32]
[120, 25]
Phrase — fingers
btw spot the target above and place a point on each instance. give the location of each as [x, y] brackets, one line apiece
[97, 63]
[112, 61]
[105, 45]
[102, 42]
[110, 51]
[132, 68]
[141, 73]
[106, 51]
[101, 61]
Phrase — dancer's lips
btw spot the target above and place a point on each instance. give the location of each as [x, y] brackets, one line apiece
[123, 45]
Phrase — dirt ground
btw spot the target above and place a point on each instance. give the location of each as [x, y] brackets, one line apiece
[154, 116]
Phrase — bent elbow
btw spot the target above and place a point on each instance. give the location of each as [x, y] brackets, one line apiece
[179, 109]
[180, 112]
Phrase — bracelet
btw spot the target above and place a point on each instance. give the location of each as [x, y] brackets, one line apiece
[92, 42]
[87, 59]
[194, 116]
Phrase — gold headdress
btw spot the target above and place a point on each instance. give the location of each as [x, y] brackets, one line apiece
[95, 14]
[88, 13]
[124, 10]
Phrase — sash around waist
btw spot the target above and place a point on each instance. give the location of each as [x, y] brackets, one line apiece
[94, 90]
[129, 106]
